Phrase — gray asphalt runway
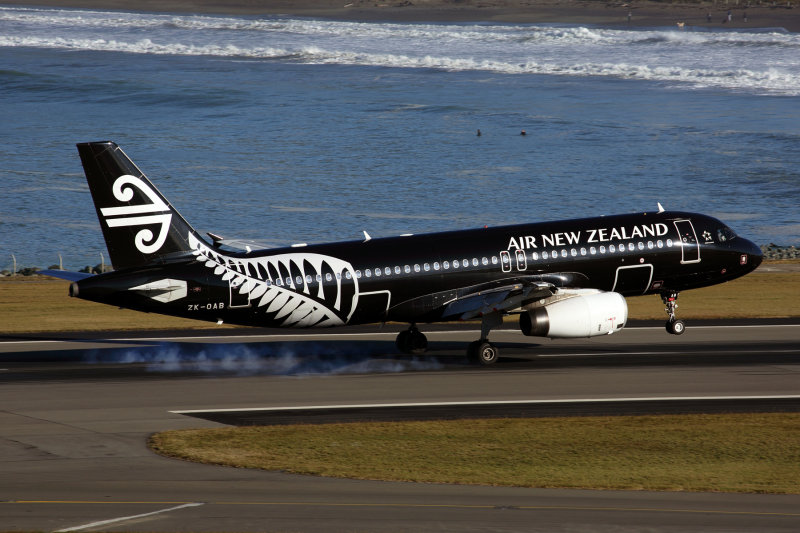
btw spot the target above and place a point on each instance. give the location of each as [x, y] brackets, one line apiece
[75, 415]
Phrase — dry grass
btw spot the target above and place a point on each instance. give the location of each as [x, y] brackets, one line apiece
[731, 453]
[758, 295]
[35, 304]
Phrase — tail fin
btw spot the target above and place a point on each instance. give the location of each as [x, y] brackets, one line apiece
[139, 224]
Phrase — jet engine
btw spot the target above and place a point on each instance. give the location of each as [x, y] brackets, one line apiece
[578, 314]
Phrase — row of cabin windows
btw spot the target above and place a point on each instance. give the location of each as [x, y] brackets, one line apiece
[602, 249]
[465, 263]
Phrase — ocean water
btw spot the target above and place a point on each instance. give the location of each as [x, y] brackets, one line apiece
[289, 130]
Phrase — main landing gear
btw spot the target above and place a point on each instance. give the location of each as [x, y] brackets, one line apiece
[412, 341]
[673, 325]
[481, 351]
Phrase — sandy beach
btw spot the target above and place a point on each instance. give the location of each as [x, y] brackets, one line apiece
[636, 14]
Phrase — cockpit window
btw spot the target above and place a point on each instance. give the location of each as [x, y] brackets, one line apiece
[725, 234]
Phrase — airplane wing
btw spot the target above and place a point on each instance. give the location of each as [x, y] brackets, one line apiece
[65, 274]
[471, 302]
[242, 244]
[504, 298]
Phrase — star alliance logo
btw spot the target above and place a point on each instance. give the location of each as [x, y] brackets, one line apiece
[139, 215]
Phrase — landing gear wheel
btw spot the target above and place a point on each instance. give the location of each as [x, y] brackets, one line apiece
[676, 327]
[412, 341]
[483, 352]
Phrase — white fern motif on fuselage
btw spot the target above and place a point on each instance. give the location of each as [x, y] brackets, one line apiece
[295, 289]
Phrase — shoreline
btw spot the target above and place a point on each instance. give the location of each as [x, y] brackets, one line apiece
[644, 13]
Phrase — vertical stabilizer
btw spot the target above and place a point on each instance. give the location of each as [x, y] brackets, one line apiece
[139, 225]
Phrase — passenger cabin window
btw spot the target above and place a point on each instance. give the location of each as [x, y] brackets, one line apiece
[464, 263]
[407, 269]
[427, 267]
[397, 270]
[416, 267]
[446, 265]
[436, 265]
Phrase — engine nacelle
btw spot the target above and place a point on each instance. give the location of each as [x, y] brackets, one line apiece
[585, 315]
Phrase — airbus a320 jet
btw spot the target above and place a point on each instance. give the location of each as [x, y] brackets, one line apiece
[564, 279]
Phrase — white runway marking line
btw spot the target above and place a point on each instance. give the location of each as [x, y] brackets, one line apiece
[126, 518]
[380, 333]
[497, 402]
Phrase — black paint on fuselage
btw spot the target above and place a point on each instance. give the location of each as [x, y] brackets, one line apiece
[410, 278]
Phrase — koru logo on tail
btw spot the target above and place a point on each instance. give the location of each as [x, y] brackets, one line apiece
[156, 212]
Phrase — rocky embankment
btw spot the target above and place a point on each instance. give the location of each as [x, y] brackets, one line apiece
[775, 252]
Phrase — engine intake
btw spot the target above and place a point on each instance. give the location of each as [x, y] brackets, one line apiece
[584, 315]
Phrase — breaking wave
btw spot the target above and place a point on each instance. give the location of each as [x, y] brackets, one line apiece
[761, 62]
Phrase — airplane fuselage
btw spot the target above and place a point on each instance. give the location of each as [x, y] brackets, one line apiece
[409, 278]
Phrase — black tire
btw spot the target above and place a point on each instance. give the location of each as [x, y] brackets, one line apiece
[676, 327]
[403, 341]
[418, 342]
[483, 353]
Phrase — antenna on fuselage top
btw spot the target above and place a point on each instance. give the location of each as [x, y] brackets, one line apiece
[660, 207]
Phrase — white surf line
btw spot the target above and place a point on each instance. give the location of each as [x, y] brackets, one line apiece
[125, 518]
[490, 402]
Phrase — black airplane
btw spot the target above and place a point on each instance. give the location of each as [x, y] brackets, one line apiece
[564, 279]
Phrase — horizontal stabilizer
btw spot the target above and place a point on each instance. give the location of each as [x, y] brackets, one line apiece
[65, 274]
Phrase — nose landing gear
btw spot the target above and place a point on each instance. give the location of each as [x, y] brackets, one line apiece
[673, 325]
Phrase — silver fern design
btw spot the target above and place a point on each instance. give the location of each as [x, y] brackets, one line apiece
[294, 289]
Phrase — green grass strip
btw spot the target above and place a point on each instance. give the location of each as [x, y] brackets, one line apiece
[730, 453]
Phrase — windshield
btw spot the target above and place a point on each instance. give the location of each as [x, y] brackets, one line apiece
[725, 234]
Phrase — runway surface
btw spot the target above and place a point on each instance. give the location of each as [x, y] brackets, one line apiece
[75, 414]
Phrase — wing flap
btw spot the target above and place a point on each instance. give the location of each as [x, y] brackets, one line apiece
[498, 299]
